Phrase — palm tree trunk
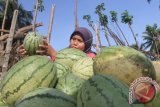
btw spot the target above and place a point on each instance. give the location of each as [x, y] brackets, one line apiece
[117, 38]
[156, 46]
[106, 35]
[99, 40]
[75, 13]
[4, 18]
[122, 33]
[133, 35]
[112, 35]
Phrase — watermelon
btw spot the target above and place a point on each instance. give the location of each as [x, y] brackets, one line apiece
[104, 91]
[156, 65]
[45, 97]
[125, 63]
[83, 68]
[69, 56]
[32, 42]
[26, 75]
[70, 84]
[62, 69]
[2, 102]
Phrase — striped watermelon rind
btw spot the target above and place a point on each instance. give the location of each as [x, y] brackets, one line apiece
[69, 56]
[125, 63]
[32, 42]
[26, 75]
[62, 69]
[70, 84]
[104, 91]
[45, 97]
[83, 68]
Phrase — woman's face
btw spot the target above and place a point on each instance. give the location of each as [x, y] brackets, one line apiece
[77, 42]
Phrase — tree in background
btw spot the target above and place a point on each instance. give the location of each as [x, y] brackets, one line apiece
[115, 19]
[127, 19]
[152, 39]
[103, 19]
[24, 18]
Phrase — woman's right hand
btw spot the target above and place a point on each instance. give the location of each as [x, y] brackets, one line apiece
[46, 49]
[21, 50]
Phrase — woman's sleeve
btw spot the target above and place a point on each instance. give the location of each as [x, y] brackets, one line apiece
[91, 55]
[52, 58]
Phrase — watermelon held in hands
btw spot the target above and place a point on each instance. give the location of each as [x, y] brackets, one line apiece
[125, 63]
[45, 97]
[32, 42]
[28, 74]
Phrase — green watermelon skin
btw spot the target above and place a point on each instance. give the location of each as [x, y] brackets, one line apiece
[125, 63]
[26, 75]
[69, 56]
[2, 102]
[46, 97]
[83, 68]
[32, 42]
[104, 91]
[62, 69]
[70, 84]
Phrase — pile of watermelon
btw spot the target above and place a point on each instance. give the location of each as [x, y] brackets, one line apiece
[74, 80]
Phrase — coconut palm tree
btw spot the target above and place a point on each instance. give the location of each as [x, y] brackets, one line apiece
[114, 19]
[127, 19]
[152, 39]
[103, 19]
[90, 22]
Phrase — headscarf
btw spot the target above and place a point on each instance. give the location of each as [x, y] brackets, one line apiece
[86, 36]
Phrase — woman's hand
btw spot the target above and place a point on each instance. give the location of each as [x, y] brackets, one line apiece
[21, 50]
[46, 49]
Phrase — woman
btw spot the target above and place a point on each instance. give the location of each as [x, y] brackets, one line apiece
[80, 39]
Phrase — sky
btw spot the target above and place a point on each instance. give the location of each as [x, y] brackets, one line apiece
[63, 22]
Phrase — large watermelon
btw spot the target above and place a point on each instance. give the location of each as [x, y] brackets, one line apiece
[31, 42]
[46, 97]
[104, 91]
[156, 65]
[2, 102]
[70, 84]
[125, 63]
[62, 69]
[26, 75]
[69, 56]
[83, 68]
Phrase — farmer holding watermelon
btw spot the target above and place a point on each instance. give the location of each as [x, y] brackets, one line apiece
[80, 39]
